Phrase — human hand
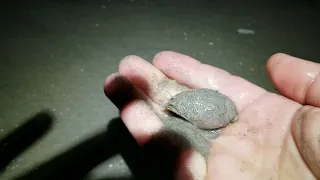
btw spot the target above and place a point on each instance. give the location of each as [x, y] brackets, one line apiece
[276, 137]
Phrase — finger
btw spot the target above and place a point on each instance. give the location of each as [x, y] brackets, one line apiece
[192, 73]
[136, 114]
[142, 122]
[149, 79]
[119, 90]
[306, 133]
[192, 167]
[295, 78]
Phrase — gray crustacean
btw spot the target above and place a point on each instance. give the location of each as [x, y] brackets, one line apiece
[207, 109]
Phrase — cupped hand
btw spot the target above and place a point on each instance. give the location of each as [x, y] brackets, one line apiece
[276, 136]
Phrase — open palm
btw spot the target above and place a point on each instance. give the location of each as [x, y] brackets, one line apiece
[276, 137]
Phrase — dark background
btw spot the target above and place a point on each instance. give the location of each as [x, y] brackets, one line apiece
[56, 54]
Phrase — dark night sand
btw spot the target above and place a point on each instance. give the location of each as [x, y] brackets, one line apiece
[203, 112]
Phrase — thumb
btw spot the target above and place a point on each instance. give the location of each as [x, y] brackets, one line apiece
[306, 133]
[295, 78]
[301, 83]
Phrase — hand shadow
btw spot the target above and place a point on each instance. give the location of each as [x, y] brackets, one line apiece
[78, 161]
[24, 136]
[155, 160]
